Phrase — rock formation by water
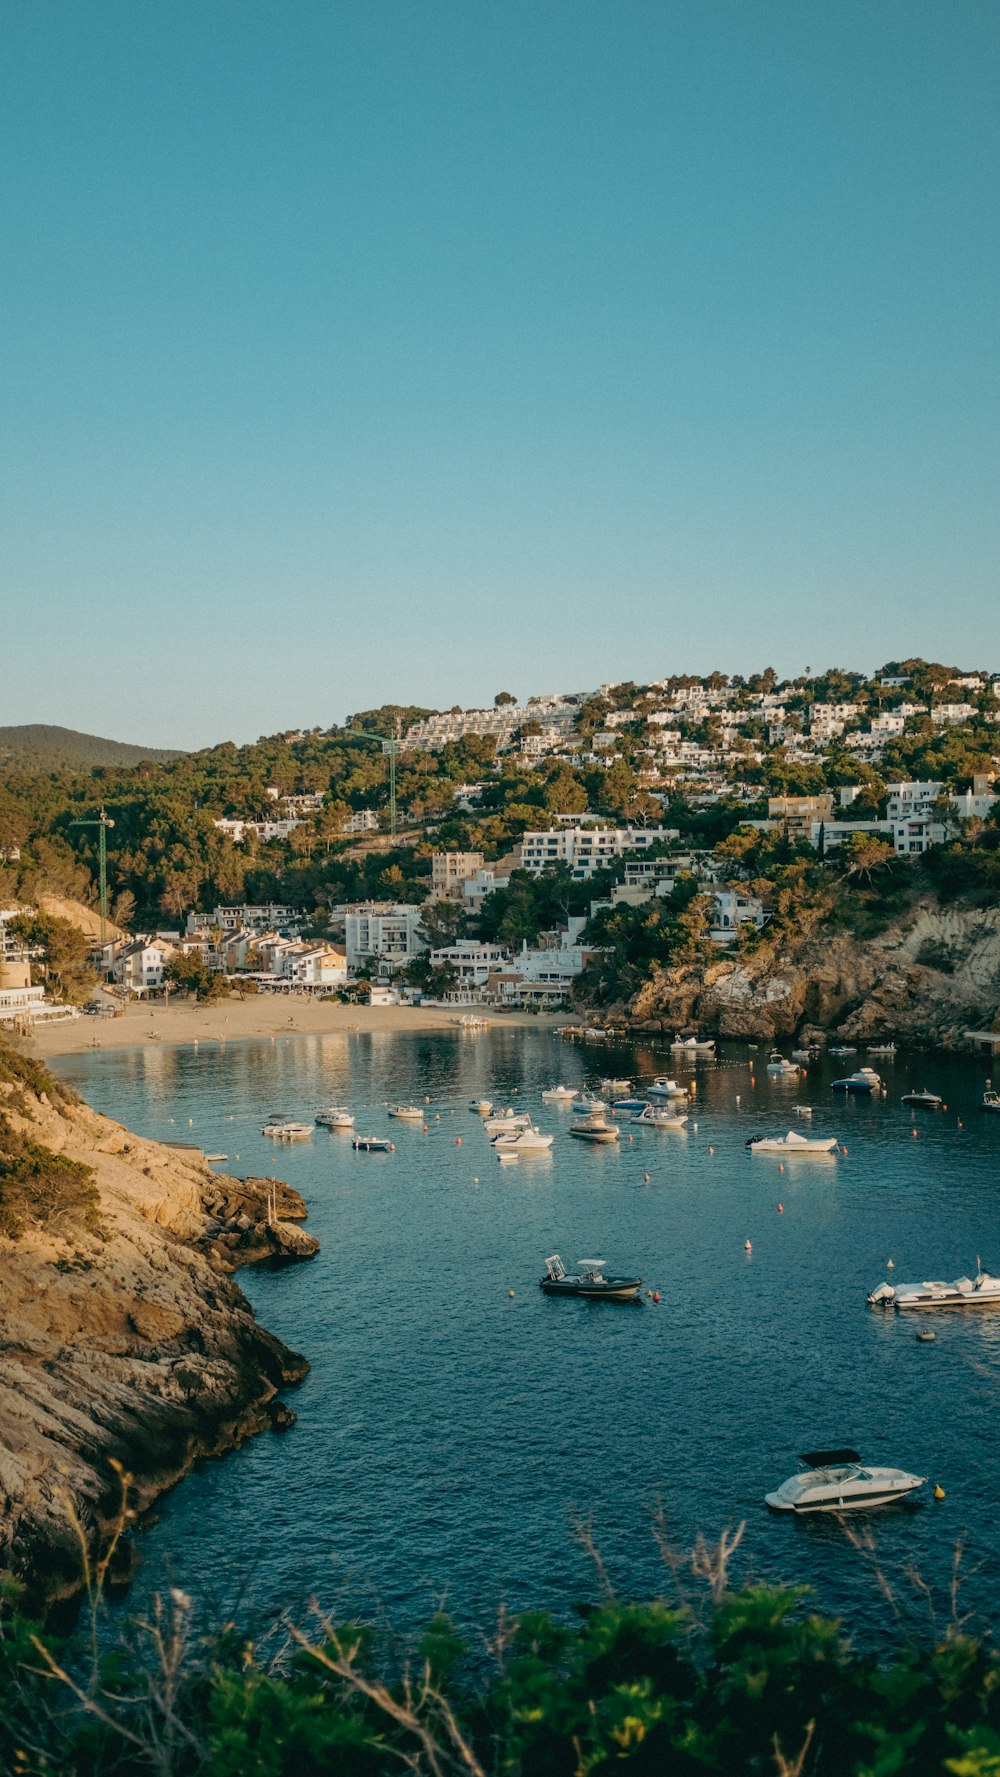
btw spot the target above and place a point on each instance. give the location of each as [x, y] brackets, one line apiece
[926, 979]
[123, 1338]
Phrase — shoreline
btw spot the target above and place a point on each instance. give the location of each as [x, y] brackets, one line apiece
[148, 1024]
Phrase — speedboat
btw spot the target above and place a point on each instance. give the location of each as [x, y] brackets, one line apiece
[923, 1101]
[805, 1055]
[615, 1088]
[408, 1113]
[595, 1128]
[842, 1049]
[981, 1291]
[629, 1107]
[335, 1117]
[481, 1106]
[836, 1481]
[881, 1048]
[864, 1082]
[778, 1066]
[283, 1129]
[587, 1280]
[991, 1099]
[660, 1116]
[372, 1144]
[588, 1103]
[666, 1088]
[793, 1143]
[506, 1122]
[558, 1095]
[694, 1045]
[522, 1141]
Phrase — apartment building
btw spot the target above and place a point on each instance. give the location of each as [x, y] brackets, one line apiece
[449, 871]
[587, 849]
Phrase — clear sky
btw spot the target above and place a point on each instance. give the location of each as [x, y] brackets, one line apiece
[413, 350]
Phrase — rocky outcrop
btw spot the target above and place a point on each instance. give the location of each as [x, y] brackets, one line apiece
[127, 1343]
[926, 980]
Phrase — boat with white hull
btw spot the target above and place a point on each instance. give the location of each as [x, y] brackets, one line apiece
[558, 1095]
[336, 1116]
[793, 1143]
[981, 1291]
[660, 1116]
[862, 1084]
[693, 1045]
[522, 1141]
[780, 1068]
[595, 1128]
[666, 1088]
[407, 1113]
[838, 1481]
[506, 1122]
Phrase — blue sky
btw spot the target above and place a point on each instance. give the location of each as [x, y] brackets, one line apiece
[419, 349]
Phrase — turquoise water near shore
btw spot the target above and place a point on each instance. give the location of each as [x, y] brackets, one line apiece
[451, 1439]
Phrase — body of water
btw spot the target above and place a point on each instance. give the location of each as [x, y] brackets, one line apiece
[451, 1435]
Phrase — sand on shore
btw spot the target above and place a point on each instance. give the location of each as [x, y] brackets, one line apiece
[150, 1022]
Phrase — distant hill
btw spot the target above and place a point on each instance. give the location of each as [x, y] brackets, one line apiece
[38, 746]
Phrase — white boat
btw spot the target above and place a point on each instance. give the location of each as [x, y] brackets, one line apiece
[506, 1156]
[595, 1128]
[469, 1021]
[283, 1129]
[589, 1104]
[558, 1095]
[991, 1099]
[842, 1049]
[881, 1048]
[506, 1121]
[522, 1141]
[615, 1088]
[481, 1106]
[372, 1144]
[666, 1088]
[779, 1066]
[837, 1481]
[694, 1045]
[864, 1082]
[336, 1116]
[660, 1116]
[806, 1055]
[793, 1143]
[981, 1291]
[408, 1113]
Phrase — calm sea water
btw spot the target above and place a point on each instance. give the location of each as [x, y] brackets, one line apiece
[450, 1436]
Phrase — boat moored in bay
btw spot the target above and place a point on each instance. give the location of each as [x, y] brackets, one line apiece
[981, 1291]
[837, 1481]
[587, 1280]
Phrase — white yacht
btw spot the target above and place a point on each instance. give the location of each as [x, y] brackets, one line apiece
[522, 1141]
[780, 1068]
[588, 1104]
[861, 1084]
[981, 1291]
[666, 1088]
[558, 1095]
[837, 1481]
[660, 1116]
[336, 1116]
[506, 1122]
[595, 1128]
[615, 1088]
[793, 1143]
[283, 1129]
[407, 1113]
[481, 1106]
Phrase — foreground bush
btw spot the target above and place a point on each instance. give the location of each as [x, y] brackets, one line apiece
[756, 1684]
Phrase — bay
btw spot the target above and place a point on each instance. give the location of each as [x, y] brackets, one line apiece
[453, 1441]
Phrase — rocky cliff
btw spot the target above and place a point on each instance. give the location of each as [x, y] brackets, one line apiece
[123, 1338]
[925, 980]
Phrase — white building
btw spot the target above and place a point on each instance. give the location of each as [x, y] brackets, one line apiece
[244, 918]
[386, 930]
[364, 820]
[139, 966]
[473, 962]
[265, 830]
[586, 849]
[909, 800]
[948, 714]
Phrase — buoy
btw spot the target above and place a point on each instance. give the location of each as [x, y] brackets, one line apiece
[781, 1166]
[475, 1181]
[649, 1292]
[510, 1292]
[781, 1209]
[646, 1177]
[694, 1126]
[631, 1138]
[944, 1107]
[437, 1116]
[190, 1122]
[960, 1123]
[938, 1490]
[458, 1141]
[711, 1150]
[890, 1264]
[656, 1295]
[747, 1247]
[843, 1150]
[737, 1098]
[913, 1132]
[752, 1080]
[427, 1098]
[925, 1338]
[426, 1128]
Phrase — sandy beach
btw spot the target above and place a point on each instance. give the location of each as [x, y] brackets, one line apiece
[140, 1024]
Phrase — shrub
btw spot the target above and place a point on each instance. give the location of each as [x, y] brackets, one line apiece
[37, 1185]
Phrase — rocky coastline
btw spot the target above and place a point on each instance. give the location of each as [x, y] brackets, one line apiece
[924, 981]
[125, 1344]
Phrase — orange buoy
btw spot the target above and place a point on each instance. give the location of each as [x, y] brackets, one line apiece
[913, 1132]
[781, 1209]
[392, 1147]
[781, 1167]
[646, 1177]
[631, 1138]
[656, 1295]
[843, 1150]
[458, 1141]
[426, 1128]
[747, 1247]
[960, 1123]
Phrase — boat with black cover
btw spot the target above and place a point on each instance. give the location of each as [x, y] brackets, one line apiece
[587, 1280]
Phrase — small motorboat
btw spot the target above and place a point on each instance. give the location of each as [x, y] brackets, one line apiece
[660, 1116]
[506, 1156]
[793, 1143]
[558, 1095]
[407, 1113]
[805, 1056]
[803, 1110]
[842, 1049]
[508, 1121]
[666, 1088]
[522, 1141]
[587, 1280]
[694, 1045]
[888, 1049]
[284, 1129]
[861, 1084]
[922, 1101]
[595, 1128]
[335, 1117]
[981, 1291]
[629, 1107]
[991, 1099]
[372, 1144]
[588, 1104]
[481, 1106]
[779, 1066]
[615, 1088]
[837, 1481]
